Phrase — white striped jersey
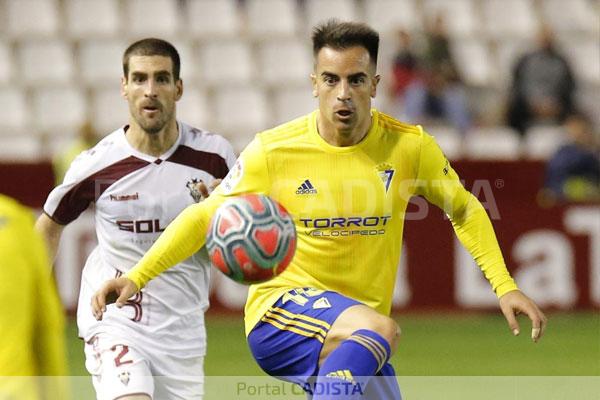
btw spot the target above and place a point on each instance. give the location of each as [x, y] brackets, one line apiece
[135, 197]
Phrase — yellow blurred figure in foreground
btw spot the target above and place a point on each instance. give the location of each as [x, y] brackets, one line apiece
[32, 341]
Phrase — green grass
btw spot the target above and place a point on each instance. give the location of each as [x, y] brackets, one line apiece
[435, 345]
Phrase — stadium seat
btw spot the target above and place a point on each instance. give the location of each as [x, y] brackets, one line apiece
[193, 108]
[508, 52]
[100, 62]
[92, 18]
[583, 54]
[516, 18]
[226, 62]
[209, 18]
[474, 61]
[241, 112]
[6, 63]
[187, 56]
[13, 110]
[32, 18]
[59, 108]
[571, 16]
[57, 144]
[272, 17]
[20, 147]
[494, 143]
[391, 15]
[285, 61]
[292, 102]
[320, 10]
[588, 98]
[152, 17]
[109, 110]
[45, 62]
[541, 142]
[460, 16]
[449, 140]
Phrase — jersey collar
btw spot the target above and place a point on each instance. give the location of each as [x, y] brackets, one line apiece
[369, 137]
[148, 157]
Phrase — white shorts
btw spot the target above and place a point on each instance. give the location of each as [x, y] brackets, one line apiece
[120, 370]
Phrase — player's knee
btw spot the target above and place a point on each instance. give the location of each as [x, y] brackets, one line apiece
[387, 328]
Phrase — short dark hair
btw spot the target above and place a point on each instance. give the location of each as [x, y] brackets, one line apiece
[152, 47]
[342, 35]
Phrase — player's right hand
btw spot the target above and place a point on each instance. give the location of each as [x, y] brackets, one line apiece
[121, 288]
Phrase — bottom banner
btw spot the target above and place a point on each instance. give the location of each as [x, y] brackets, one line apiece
[342, 386]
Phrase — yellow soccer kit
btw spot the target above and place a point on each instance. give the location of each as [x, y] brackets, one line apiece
[32, 338]
[348, 205]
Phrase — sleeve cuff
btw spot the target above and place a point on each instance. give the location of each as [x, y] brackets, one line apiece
[506, 287]
[136, 278]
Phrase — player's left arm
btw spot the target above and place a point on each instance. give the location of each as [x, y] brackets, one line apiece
[440, 185]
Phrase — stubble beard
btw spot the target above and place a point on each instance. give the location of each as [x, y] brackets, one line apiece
[154, 126]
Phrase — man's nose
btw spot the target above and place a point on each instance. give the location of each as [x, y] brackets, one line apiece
[150, 90]
[343, 91]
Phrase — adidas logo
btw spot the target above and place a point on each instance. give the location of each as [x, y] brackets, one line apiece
[344, 375]
[306, 188]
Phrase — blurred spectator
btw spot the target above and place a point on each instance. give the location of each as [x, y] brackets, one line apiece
[439, 94]
[543, 86]
[573, 173]
[86, 139]
[32, 357]
[404, 66]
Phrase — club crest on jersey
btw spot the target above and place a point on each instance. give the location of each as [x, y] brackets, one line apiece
[124, 377]
[386, 173]
[192, 185]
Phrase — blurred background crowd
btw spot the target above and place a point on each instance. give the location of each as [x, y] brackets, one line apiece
[491, 79]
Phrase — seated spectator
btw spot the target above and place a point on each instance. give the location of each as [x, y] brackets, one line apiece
[573, 173]
[405, 68]
[543, 86]
[439, 94]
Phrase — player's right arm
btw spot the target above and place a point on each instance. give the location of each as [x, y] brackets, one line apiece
[68, 200]
[51, 232]
[186, 234]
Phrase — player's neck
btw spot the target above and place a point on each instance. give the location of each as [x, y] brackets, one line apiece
[153, 144]
[342, 138]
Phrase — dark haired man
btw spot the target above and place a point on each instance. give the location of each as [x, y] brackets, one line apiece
[324, 322]
[139, 178]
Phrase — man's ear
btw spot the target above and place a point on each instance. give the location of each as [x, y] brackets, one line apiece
[179, 86]
[374, 84]
[313, 80]
[124, 87]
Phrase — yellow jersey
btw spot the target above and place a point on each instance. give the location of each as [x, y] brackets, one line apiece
[348, 205]
[32, 341]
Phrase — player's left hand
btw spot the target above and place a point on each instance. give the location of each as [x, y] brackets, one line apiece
[116, 290]
[205, 190]
[514, 303]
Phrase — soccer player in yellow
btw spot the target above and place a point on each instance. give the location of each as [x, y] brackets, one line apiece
[32, 341]
[346, 173]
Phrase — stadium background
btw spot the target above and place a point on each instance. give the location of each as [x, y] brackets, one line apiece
[245, 67]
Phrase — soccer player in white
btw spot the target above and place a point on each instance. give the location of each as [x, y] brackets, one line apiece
[139, 178]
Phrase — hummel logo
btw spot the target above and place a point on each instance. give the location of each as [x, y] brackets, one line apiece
[306, 188]
[125, 197]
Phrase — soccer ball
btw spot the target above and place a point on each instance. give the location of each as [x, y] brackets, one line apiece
[251, 238]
